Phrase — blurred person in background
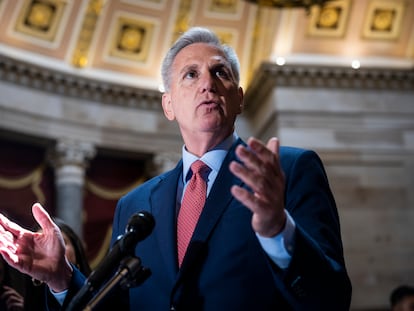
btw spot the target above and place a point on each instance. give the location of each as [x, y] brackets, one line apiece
[402, 298]
[10, 299]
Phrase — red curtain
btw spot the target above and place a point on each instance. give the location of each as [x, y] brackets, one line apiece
[107, 179]
[25, 178]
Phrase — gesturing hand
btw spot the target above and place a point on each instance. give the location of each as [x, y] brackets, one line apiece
[38, 254]
[261, 171]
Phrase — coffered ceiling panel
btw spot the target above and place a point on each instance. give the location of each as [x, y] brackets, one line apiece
[125, 40]
[131, 35]
[366, 29]
[41, 27]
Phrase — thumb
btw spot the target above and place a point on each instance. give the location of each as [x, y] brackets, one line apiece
[42, 217]
[273, 144]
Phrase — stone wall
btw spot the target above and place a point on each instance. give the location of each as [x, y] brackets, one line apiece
[362, 126]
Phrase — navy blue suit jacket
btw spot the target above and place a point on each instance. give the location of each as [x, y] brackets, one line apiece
[225, 267]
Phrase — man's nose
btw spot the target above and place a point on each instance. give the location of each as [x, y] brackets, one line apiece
[208, 83]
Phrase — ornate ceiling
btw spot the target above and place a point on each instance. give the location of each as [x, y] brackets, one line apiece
[123, 41]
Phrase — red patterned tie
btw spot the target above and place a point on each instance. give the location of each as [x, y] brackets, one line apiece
[191, 207]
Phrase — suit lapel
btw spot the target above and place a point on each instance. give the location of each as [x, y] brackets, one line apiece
[163, 202]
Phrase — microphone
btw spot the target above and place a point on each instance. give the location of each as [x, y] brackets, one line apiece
[139, 226]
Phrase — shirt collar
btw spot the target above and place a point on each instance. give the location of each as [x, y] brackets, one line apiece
[213, 158]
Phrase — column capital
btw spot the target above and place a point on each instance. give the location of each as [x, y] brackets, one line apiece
[70, 158]
[71, 152]
[165, 161]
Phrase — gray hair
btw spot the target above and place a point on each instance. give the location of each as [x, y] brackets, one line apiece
[197, 35]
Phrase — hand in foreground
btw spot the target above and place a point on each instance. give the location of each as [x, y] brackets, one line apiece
[14, 301]
[261, 171]
[38, 254]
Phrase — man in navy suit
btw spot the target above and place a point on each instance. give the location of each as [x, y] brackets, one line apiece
[268, 237]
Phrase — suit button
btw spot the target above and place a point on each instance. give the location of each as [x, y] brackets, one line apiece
[172, 308]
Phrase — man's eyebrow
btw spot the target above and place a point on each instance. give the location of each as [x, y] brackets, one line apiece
[186, 68]
[221, 65]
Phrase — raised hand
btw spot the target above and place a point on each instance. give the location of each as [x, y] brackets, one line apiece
[38, 254]
[261, 171]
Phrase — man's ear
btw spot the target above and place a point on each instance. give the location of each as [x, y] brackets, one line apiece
[167, 106]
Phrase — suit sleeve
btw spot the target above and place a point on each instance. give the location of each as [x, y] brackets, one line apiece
[75, 285]
[316, 275]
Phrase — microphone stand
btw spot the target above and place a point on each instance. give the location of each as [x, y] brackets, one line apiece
[138, 228]
[130, 274]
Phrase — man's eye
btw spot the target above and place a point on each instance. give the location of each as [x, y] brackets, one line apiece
[190, 75]
[222, 74]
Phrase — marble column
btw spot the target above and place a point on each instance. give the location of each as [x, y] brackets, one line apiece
[70, 158]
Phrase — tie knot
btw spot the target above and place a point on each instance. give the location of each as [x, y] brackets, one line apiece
[199, 167]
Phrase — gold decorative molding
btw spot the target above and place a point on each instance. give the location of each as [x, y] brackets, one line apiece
[383, 19]
[1, 6]
[109, 193]
[80, 56]
[223, 6]
[230, 10]
[266, 25]
[182, 22]
[228, 37]
[40, 18]
[32, 179]
[146, 3]
[103, 251]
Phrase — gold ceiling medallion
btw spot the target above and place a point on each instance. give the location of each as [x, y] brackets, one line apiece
[383, 19]
[329, 20]
[132, 39]
[40, 18]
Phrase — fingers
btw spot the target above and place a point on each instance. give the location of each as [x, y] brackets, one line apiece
[262, 157]
[261, 171]
[12, 297]
[9, 291]
[7, 241]
[273, 145]
[244, 196]
[39, 213]
[43, 218]
[10, 226]
[260, 165]
[8, 231]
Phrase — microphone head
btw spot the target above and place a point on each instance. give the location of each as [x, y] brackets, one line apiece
[140, 225]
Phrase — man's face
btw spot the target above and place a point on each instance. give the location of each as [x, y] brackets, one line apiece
[203, 96]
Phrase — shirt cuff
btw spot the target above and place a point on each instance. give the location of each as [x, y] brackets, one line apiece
[280, 247]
